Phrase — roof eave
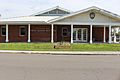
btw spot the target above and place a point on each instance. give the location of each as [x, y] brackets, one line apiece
[22, 22]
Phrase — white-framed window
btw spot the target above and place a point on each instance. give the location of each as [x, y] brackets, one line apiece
[22, 31]
[64, 32]
[3, 30]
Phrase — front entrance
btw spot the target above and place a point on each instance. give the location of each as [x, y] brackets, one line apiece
[80, 34]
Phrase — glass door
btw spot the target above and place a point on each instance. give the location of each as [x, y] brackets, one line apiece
[80, 34]
[84, 35]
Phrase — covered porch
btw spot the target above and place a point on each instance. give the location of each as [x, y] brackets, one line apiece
[79, 33]
[73, 33]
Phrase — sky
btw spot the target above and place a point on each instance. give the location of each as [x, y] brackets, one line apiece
[15, 8]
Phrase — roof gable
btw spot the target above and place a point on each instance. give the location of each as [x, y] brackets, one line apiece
[93, 8]
[56, 11]
[85, 18]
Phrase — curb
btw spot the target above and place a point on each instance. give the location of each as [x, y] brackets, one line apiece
[62, 52]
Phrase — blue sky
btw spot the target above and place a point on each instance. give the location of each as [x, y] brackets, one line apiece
[13, 8]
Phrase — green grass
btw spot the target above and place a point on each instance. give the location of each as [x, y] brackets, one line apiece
[50, 47]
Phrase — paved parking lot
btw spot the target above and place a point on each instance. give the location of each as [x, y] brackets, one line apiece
[59, 67]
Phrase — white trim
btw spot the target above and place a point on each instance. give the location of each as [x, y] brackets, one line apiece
[86, 23]
[7, 40]
[91, 26]
[71, 33]
[20, 30]
[1, 30]
[29, 33]
[110, 33]
[104, 40]
[85, 10]
[52, 33]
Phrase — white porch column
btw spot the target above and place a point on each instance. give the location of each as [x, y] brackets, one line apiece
[7, 33]
[91, 34]
[52, 33]
[29, 33]
[104, 34]
[71, 33]
[109, 33]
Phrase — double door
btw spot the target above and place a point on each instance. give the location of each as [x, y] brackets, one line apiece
[80, 34]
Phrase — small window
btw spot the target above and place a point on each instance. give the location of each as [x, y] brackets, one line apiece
[3, 30]
[65, 31]
[22, 31]
[53, 12]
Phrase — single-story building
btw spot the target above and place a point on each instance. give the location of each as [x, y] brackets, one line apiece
[91, 25]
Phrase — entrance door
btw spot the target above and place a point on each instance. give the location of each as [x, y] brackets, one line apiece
[80, 34]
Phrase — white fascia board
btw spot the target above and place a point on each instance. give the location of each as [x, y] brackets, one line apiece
[82, 23]
[29, 18]
[22, 22]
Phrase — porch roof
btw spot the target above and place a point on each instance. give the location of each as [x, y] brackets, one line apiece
[27, 19]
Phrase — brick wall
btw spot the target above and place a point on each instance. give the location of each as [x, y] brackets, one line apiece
[59, 33]
[14, 34]
[98, 34]
[2, 38]
[40, 33]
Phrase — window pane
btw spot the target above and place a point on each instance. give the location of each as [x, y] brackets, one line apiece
[74, 35]
[23, 31]
[84, 34]
[80, 34]
[4, 31]
[65, 32]
[53, 12]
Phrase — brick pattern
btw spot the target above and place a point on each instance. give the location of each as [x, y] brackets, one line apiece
[14, 33]
[98, 34]
[2, 38]
[40, 33]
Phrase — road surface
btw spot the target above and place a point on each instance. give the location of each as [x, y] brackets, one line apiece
[59, 67]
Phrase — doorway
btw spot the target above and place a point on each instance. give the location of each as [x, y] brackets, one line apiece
[80, 34]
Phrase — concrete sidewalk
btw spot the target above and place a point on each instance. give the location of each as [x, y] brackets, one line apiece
[63, 52]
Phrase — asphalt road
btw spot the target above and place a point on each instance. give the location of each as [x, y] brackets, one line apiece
[59, 67]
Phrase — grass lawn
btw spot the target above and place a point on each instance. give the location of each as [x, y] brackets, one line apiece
[50, 47]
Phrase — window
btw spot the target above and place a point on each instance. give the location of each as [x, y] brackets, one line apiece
[3, 30]
[64, 31]
[53, 12]
[22, 31]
